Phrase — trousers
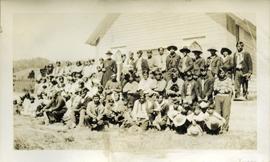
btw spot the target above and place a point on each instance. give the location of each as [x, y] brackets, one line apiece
[223, 107]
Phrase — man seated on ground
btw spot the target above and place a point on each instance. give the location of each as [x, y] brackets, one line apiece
[112, 85]
[175, 84]
[128, 120]
[118, 109]
[141, 110]
[130, 88]
[78, 110]
[147, 84]
[189, 88]
[161, 107]
[55, 110]
[194, 129]
[204, 86]
[109, 115]
[161, 83]
[177, 119]
[198, 117]
[214, 122]
[95, 112]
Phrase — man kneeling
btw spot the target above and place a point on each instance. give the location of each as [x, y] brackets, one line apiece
[55, 110]
[95, 112]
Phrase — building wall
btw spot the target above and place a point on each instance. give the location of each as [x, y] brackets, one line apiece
[131, 32]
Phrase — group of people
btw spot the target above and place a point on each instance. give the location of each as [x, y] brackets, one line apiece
[163, 92]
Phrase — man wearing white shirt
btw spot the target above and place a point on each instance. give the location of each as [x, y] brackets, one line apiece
[147, 84]
[161, 59]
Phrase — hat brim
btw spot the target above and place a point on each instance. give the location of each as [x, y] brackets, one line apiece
[185, 50]
[197, 52]
[172, 47]
[212, 49]
[225, 50]
[109, 53]
[179, 120]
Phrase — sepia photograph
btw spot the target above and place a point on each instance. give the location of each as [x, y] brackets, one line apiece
[134, 81]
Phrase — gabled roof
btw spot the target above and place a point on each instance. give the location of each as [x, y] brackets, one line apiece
[244, 23]
[102, 28]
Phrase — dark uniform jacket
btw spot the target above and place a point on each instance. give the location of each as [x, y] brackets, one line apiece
[246, 63]
[208, 87]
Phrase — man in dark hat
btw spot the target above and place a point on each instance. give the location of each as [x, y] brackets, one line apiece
[141, 64]
[227, 60]
[199, 62]
[215, 61]
[172, 61]
[109, 68]
[186, 63]
[242, 69]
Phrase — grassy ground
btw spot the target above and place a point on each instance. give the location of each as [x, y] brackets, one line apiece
[30, 134]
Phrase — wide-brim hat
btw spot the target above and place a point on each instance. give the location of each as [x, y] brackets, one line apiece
[172, 47]
[212, 49]
[224, 49]
[196, 48]
[109, 53]
[185, 49]
[213, 123]
[140, 52]
[195, 131]
[179, 120]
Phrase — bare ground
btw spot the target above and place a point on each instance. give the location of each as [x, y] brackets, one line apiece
[30, 134]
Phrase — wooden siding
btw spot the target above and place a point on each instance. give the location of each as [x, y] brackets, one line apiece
[153, 30]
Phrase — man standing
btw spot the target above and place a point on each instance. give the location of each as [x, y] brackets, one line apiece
[186, 63]
[109, 68]
[141, 64]
[151, 60]
[199, 62]
[227, 60]
[161, 61]
[215, 61]
[242, 69]
[172, 60]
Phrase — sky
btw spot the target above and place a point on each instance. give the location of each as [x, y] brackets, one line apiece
[55, 36]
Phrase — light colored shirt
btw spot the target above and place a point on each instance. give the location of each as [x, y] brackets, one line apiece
[140, 109]
[223, 86]
[131, 87]
[161, 61]
[152, 63]
[147, 85]
[239, 60]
